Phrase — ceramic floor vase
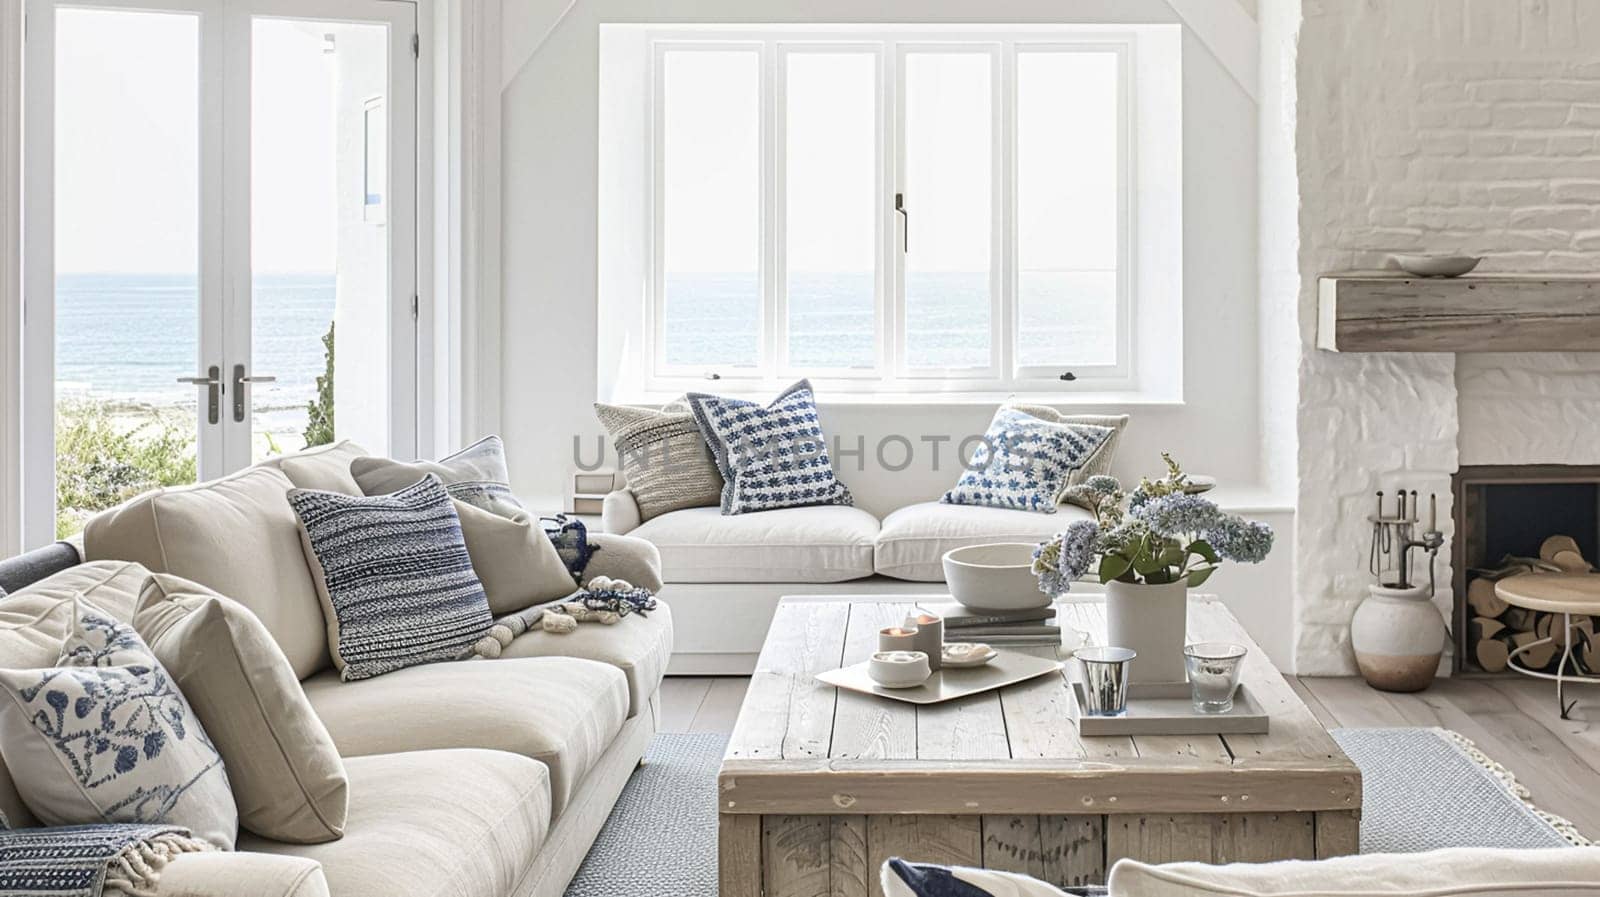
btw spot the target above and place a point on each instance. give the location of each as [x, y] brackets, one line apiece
[1398, 636]
[1152, 620]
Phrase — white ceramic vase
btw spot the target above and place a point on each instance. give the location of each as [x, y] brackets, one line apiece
[1153, 621]
[1398, 636]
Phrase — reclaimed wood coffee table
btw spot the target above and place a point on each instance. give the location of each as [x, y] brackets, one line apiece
[819, 786]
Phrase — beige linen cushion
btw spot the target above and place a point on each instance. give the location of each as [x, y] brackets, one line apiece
[513, 558]
[562, 711]
[914, 539]
[287, 778]
[1457, 872]
[236, 535]
[240, 874]
[664, 457]
[29, 642]
[820, 543]
[1100, 460]
[450, 823]
[476, 475]
[325, 467]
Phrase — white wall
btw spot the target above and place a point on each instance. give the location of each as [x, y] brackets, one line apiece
[550, 260]
[1446, 125]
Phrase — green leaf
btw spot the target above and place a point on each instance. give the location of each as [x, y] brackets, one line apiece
[1171, 557]
[1113, 566]
[1146, 564]
[1204, 549]
[1199, 576]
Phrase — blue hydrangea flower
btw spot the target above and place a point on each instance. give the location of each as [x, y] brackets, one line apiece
[1240, 540]
[1178, 514]
[1066, 557]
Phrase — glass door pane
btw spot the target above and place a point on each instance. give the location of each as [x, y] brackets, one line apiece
[1067, 218]
[320, 288]
[948, 184]
[127, 256]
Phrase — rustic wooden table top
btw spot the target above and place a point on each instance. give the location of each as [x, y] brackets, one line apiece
[803, 747]
[1561, 593]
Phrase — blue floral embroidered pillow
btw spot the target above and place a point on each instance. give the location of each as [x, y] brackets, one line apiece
[105, 736]
[1023, 462]
[772, 457]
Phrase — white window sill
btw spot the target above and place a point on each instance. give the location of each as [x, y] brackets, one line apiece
[826, 397]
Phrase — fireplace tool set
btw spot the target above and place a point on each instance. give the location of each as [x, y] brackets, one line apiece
[1393, 539]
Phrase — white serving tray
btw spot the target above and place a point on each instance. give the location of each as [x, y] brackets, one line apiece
[1007, 668]
[1165, 708]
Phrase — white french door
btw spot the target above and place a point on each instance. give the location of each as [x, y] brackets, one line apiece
[220, 227]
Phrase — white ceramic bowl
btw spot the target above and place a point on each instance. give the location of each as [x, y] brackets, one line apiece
[1436, 265]
[997, 576]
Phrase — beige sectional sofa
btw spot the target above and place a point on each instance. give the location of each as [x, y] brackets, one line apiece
[478, 778]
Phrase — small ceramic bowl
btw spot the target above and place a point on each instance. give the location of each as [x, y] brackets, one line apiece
[967, 654]
[898, 669]
[1436, 265]
[998, 576]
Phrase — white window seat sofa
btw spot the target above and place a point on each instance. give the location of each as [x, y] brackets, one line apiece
[725, 574]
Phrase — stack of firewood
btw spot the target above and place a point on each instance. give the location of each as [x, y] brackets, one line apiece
[1495, 628]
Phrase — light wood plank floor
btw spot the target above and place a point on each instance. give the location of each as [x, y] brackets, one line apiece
[1513, 720]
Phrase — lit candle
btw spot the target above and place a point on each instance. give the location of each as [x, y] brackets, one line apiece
[897, 638]
[929, 638]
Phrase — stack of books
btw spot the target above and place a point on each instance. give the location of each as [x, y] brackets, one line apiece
[1034, 627]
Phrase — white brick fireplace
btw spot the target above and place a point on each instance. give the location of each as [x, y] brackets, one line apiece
[1469, 125]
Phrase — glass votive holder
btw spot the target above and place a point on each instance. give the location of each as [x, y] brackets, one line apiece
[1213, 674]
[1105, 679]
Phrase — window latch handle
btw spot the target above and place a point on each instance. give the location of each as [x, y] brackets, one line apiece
[905, 226]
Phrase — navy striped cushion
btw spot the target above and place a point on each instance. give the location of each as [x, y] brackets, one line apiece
[396, 583]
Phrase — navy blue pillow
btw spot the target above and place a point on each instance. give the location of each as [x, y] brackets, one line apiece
[771, 457]
[903, 879]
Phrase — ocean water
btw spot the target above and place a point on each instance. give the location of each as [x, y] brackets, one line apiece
[128, 337]
[1064, 318]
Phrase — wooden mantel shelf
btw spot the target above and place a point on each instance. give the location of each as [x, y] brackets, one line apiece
[1382, 312]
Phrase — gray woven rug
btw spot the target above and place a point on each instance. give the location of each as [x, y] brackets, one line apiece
[1422, 789]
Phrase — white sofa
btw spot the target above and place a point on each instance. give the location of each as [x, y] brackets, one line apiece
[725, 574]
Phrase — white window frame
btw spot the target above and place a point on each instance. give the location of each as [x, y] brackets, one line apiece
[892, 373]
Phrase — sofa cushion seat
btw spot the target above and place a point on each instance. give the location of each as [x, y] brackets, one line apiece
[914, 539]
[639, 646]
[562, 711]
[828, 543]
[463, 823]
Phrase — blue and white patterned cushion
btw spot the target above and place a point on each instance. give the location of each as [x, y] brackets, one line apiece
[903, 879]
[1023, 462]
[395, 579]
[106, 736]
[772, 457]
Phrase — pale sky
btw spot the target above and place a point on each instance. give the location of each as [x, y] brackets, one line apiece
[1066, 161]
[127, 152]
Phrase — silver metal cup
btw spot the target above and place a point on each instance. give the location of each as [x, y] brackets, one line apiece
[1105, 679]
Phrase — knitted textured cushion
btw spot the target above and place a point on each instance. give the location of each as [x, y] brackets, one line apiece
[1099, 461]
[476, 475]
[396, 582]
[106, 736]
[1023, 462]
[663, 456]
[772, 457]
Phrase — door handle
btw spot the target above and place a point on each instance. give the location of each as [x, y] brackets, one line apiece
[213, 384]
[239, 380]
[905, 227]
